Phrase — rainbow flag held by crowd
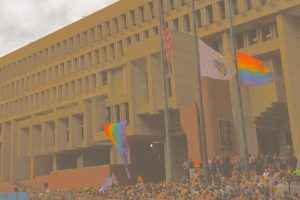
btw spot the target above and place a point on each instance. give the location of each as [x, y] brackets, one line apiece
[115, 133]
[252, 72]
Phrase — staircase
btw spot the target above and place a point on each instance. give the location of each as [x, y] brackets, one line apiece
[274, 117]
[273, 128]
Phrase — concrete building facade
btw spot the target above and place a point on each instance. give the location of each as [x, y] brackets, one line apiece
[56, 93]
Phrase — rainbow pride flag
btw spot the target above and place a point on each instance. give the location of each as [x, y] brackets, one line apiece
[252, 72]
[115, 133]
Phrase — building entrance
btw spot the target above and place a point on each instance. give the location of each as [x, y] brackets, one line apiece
[148, 160]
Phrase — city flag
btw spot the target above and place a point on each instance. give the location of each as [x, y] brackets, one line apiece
[252, 72]
[212, 63]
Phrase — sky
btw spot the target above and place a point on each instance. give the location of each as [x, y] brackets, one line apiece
[24, 21]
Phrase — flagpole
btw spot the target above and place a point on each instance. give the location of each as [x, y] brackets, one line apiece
[243, 137]
[167, 143]
[200, 105]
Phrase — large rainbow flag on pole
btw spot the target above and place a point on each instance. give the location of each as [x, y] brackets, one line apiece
[252, 72]
[115, 133]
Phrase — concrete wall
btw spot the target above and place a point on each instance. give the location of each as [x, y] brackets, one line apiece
[289, 31]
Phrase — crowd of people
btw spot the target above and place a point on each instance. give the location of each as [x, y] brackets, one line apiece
[267, 178]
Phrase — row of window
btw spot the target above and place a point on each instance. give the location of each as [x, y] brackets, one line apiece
[244, 39]
[99, 32]
[96, 57]
[55, 94]
[117, 24]
[117, 113]
[258, 34]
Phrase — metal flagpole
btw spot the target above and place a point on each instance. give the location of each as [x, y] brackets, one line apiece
[243, 138]
[200, 105]
[167, 144]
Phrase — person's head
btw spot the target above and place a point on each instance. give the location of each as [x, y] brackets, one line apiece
[46, 185]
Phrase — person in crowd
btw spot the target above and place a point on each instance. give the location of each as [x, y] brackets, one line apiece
[227, 182]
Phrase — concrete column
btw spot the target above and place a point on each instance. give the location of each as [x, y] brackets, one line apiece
[87, 121]
[98, 115]
[289, 31]
[43, 139]
[242, 6]
[54, 162]
[151, 83]
[13, 150]
[216, 12]
[57, 135]
[72, 130]
[32, 168]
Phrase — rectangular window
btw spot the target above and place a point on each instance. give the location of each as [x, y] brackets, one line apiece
[221, 5]
[155, 30]
[126, 110]
[82, 61]
[69, 67]
[97, 56]
[65, 45]
[209, 14]
[137, 38]
[225, 134]
[112, 51]
[132, 16]
[104, 78]
[116, 25]
[92, 34]
[186, 23]
[108, 28]
[104, 54]
[76, 63]
[235, 7]
[198, 18]
[78, 40]
[120, 48]
[128, 41]
[108, 115]
[142, 13]
[252, 37]
[263, 2]
[151, 8]
[146, 34]
[100, 32]
[249, 4]
[172, 4]
[269, 31]
[71, 42]
[169, 85]
[117, 113]
[89, 59]
[176, 25]
[240, 40]
[124, 21]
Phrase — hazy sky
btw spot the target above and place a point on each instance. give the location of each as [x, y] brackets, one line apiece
[24, 21]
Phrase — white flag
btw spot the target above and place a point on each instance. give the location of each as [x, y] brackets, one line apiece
[212, 63]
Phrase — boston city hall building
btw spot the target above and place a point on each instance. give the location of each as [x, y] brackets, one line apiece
[57, 93]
